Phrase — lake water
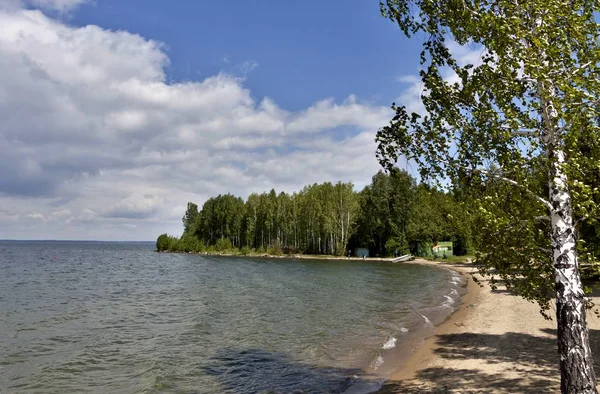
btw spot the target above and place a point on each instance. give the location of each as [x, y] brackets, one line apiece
[120, 318]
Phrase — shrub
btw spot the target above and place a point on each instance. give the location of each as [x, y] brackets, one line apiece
[275, 250]
[167, 243]
[190, 243]
[162, 243]
[398, 244]
[223, 245]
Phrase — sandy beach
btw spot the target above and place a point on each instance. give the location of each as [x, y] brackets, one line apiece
[495, 343]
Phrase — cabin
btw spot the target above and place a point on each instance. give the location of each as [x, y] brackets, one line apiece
[428, 249]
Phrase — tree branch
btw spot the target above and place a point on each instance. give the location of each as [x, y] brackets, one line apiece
[583, 219]
[592, 102]
[524, 133]
[542, 200]
[521, 131]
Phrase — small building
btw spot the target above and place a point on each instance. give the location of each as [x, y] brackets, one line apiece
[361, 252]
[439, 249]
[443, 248]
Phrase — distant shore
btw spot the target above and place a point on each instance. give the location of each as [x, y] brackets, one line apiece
[288, 256]
[324, 257]
[495, 342]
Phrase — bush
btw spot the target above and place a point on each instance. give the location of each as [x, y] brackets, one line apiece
[275, 250]
[245, 251]
[398, 244]
[175, 245]
[162, 243]
[167, 243]
[223, 245]
[340, 249]
[190, 243]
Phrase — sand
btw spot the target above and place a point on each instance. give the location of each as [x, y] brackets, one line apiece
[495, 343]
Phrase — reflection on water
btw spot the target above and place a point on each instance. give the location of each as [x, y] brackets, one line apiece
[117, 317]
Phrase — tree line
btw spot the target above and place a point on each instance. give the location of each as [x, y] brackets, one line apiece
[390, 215]
[520, 128]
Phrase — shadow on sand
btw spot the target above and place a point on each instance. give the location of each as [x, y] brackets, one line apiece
[520, 350]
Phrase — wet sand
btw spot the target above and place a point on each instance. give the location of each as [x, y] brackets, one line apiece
[495, 343]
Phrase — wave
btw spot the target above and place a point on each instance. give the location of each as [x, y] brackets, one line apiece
[428, 322]
[389, 344]
[378, 362]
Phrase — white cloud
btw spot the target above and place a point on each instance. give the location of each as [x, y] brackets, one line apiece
[36, 216]
[94, 141]
[60, 6]
[135, 206]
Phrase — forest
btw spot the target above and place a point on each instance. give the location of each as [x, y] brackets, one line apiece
[393, 214]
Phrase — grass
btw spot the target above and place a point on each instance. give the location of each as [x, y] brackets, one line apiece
[451, 259]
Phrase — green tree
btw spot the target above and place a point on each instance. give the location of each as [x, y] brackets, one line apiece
[162, 243]
[168, 243]
[190, 219]
[530, 104]
[386, 206]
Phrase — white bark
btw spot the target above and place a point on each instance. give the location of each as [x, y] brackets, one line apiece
[577, 368]
[576, 362]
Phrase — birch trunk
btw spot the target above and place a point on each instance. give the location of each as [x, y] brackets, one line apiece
[576, 362]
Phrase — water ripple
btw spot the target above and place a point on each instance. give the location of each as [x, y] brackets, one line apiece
[119, 318]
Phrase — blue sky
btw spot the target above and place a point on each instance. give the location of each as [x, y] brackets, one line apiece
[117, 113]
[304, 50]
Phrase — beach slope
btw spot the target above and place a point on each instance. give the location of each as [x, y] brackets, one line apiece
[496, 343]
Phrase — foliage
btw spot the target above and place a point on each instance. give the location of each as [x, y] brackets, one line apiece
[223, 245]
[275, 250]
[386, 216]
[483, 130]
[387, 206]
[190, 244]
[518, 130]
[190, 219]
[162, 243]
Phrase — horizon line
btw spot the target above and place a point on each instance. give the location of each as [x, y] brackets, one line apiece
[64, 240]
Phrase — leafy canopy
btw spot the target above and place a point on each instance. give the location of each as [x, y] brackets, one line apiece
[483, 127]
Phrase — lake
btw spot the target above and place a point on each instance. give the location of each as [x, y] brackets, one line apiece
[120, 318]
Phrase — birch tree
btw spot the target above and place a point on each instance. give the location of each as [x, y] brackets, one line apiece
[529, 102]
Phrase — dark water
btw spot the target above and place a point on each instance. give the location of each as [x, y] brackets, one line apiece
[119, 318]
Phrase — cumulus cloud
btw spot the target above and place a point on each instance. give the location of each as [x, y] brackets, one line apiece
[60, 6]
[95, 143]
[135, 206]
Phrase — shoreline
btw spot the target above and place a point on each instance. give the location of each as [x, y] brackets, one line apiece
[425, 353]
[287, 256]
[495, 342]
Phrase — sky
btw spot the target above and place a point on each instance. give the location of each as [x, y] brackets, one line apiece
[117, 113]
